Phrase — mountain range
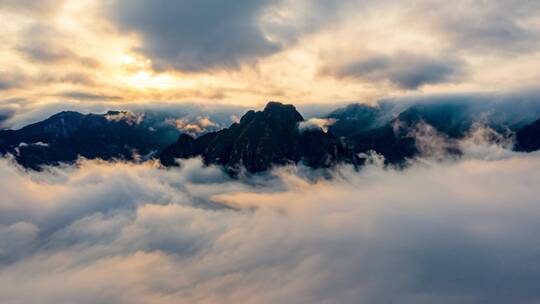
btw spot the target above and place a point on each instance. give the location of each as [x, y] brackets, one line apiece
[67, 135]
[277, 135]
[264, 139]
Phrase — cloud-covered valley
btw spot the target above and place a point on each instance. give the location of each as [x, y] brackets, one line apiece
[454, 231]
[141, 162]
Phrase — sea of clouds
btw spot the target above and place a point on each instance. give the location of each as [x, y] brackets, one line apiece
[440, 231]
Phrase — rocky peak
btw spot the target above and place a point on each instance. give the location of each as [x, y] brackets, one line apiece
[261, 140]
[283, 112]
[275, 114]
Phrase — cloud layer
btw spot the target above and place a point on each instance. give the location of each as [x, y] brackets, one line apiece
[407, 71]
[197, 35]
[449, 232]
[246, 52]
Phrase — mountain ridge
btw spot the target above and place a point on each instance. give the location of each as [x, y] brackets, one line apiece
[67, 135]
[258, 141]
[261, 140]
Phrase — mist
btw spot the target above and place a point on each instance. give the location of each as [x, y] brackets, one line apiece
[440, 231]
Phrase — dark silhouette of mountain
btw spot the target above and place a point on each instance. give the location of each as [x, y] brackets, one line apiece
[378, 128]
[356, 118]
[67, 135]
[262, 140]
[395, 145]
[452, 119]
[259, 141]
[528, 138]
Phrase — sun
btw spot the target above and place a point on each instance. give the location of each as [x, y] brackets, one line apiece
[137, 73]
[149, 80]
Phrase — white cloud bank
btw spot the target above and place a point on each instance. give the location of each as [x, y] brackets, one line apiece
[450, 232]
[316, 124]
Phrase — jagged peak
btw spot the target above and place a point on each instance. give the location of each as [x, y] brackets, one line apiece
[247, 117]
[273, 109]
[278, 106]
[278, 109]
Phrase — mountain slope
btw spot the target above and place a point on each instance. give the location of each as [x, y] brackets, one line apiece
[356, 118]
[262, 140]
[67, 135]
[528, 138]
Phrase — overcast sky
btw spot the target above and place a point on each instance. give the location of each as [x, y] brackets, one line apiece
[440, 231]
[246, 52]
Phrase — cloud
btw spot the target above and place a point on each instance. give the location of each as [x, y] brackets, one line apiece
[433, 144]
[77, 95]
[25, 112]
[483, 142]
[16, 79]
[48, 52]
[191, 35]
[45, 53]
[126, 116]
[41, 42]
[448, 232]
[407, 71]
[13, 79]
[39, 7]
[492, 27]
[510, 108]
[316, 124]
[194, 35]
[252, 50]
[194, 126]
[20, 236]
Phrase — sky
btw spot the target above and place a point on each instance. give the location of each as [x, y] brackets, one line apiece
[247, 52]
[442, 229]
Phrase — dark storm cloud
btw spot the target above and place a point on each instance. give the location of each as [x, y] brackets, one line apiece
[195, 35]
[495, 31]
[407, 71]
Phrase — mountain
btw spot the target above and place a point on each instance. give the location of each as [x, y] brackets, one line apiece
[396, 146]
[452, 119]
[356, 118]
[277, 135]
[389, 129]
[392, 129]
[262, 140]
[528, 138]
[67, 135]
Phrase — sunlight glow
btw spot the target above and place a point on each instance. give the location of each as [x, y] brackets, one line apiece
[147, 80]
